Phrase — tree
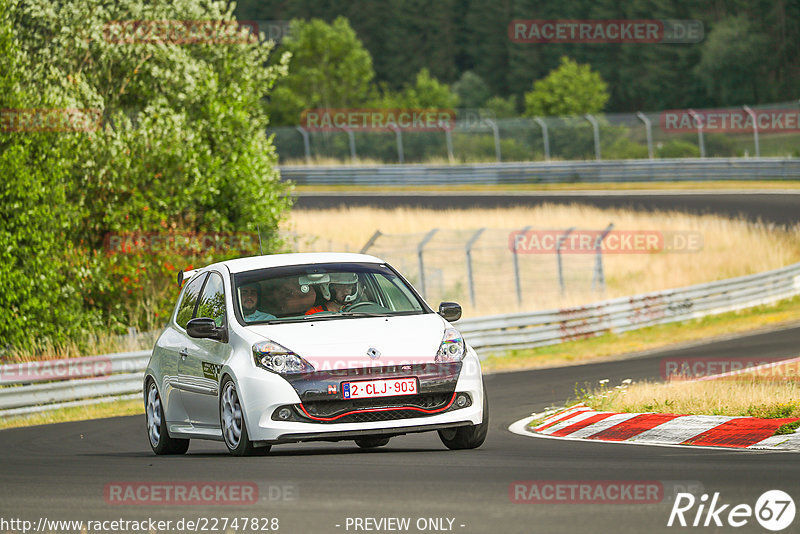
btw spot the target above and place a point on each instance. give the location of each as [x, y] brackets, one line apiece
[733, 65]
[472, 91]
[427, 92]
[330, 68]
[571, 89]
[182, 148]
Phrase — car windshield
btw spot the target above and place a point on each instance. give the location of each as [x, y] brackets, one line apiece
[322, 292]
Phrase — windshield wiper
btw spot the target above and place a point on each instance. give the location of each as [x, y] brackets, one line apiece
[363, 314]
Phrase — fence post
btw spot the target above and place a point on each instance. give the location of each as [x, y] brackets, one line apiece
[598, 278]
[699, 120]
[468, 254]
[755, 129]
[517, 282]
[596, 128]
[496, 133]
[370, 241]
[400, 155]
[306, 143]
[545, 137]
[352, 139]
[448, 136]
[420, 248]
[649, 132]
[559, 244]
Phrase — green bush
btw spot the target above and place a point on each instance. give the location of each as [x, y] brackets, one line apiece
[182, 148]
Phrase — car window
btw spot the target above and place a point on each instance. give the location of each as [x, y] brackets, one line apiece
[186, 309]
[335, 290]
[212, 301]
[396, 293]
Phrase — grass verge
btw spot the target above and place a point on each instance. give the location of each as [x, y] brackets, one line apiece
[618, 346]
[76, 413]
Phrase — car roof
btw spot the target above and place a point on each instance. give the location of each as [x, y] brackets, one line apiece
[298, 258]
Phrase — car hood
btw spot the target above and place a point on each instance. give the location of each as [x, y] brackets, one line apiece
[346, 343]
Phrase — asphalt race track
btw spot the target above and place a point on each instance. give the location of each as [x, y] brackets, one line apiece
[61, 471]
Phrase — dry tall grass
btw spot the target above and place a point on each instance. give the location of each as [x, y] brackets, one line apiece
[755, 398]
[731, 248]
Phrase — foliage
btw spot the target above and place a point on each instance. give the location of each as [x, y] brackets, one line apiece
[181, 149]
[330, 68]
[472, 91]
[571, 89]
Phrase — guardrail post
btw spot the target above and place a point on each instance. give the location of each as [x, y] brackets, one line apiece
[755, 128]
[420, 248]
[400, 155]
[699, 120]
[648, 131]
[352, 139]
[517, 281]
[306, 143]
[468, 254]
[598, 278]
[596, 129]
[559, 244]
[370, 242]
[545, 137]
[496, 133]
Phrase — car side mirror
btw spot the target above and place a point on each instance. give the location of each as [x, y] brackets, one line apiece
[206, 328]
[449, 310]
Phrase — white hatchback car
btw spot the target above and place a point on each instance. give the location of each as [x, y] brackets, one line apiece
[309, 347]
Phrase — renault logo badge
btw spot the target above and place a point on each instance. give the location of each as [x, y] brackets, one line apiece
[374, 353]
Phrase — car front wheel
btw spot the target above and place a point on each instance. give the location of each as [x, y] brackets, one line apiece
[234, 428]
[467, 437]
[157, 434]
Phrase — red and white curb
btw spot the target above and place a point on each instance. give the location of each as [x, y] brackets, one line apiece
[580, 422]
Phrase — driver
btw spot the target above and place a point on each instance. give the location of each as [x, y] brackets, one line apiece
[340, 291]
[250, 296]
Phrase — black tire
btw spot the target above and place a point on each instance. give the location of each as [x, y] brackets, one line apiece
[232, 423]
[371, 442]
[157, 433]
[467, 437]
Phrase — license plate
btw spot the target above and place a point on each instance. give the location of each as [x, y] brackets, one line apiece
[389, 387]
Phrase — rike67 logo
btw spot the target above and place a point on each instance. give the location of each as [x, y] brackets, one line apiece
[774, 510]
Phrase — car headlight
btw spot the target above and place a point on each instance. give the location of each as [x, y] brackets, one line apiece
[452, 348]
[278, 359]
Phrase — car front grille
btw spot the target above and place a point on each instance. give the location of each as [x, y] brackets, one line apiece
[374, 410]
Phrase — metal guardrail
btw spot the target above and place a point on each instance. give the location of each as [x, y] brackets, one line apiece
[641, 170]
[485, 334]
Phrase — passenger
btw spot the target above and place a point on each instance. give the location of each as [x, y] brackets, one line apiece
[250, 297]
[287, 297]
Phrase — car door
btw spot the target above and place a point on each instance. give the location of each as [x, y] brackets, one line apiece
[172, 346]
[199, 368]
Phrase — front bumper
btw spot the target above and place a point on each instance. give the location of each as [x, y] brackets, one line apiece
[317, 414]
